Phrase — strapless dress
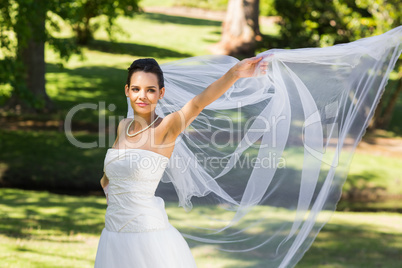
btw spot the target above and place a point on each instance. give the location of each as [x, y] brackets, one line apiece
[137, 231]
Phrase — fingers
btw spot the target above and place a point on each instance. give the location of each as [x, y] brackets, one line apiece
[264, 67]
[255, 59]
[252, 60]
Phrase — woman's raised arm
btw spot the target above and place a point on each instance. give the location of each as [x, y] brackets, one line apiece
[180, 120]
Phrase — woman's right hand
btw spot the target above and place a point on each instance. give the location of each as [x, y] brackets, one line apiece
[247, 67]
[104, 181]
[105, 186]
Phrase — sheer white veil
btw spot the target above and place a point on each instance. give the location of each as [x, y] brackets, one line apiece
[265, 163]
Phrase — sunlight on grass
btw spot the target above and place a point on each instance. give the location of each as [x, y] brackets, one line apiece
[369, 170]
[270, 29]
[101, 73]
[157, 3]
[41, 229]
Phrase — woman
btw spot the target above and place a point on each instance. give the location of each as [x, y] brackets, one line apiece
[265, 159]
[137, 232]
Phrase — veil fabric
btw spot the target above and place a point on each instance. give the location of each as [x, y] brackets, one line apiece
[264, 164]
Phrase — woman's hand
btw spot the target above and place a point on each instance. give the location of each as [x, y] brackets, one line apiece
[105, 186]
[247, 67]
[104, 180]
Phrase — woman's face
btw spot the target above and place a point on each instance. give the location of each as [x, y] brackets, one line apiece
[144, 92]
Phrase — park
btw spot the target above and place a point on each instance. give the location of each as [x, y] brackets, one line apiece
[52, 205]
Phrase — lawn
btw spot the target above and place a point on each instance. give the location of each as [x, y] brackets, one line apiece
[42, 229]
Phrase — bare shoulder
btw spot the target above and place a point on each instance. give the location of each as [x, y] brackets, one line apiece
[121, 128]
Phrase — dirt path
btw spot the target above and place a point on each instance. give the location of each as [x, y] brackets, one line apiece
[390, 147]
[371, 144]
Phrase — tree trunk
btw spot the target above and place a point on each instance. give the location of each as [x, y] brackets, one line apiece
[252, 12]
[239, 29]
[382, 116]
[387, 116]
[30, 94]
[84, 32]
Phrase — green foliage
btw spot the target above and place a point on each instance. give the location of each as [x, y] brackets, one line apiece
[79, 14]
[22, 21]
[15, 31]
[325, 23]
[318, 23]
[56, 162]
[267, 8]
[42, 229]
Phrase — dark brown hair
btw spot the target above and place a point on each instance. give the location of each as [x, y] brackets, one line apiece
[148, 65]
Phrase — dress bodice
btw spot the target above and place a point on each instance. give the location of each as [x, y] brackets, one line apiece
[134, 175]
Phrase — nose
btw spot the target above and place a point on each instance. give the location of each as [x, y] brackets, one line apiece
[142, 94]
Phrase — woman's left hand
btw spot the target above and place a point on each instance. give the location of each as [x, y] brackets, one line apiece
[247, 67]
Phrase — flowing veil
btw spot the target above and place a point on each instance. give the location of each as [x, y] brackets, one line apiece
[263, 165]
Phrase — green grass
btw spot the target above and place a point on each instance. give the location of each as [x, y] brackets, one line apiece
[41, 229]
[47, 160]
[357, 240]
[102, 74]
[377, 174]
[369, 171]
[99, 80]
[156, 3]
[216, 5]
[62, 165]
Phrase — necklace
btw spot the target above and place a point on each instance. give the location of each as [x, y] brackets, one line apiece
[131, 135]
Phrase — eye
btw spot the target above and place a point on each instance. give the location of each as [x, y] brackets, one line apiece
[152, 90]
[134, 89]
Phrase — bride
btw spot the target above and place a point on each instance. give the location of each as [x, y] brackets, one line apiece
[258, 155]
[137, 232]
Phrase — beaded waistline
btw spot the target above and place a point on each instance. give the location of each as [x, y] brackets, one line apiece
[141, 229]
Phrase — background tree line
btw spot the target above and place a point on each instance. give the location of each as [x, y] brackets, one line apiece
[26, 25]
[313, 23]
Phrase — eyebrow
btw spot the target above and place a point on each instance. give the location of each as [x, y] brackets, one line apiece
[146, 87]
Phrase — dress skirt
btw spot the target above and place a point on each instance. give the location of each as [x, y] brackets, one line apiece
[151, 249]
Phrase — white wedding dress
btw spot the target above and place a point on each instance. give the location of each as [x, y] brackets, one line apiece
[265, 162]
[137, 232]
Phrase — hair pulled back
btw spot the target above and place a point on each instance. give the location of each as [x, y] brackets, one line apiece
[148, 65]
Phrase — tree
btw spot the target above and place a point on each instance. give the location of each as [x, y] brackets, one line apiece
[386, 107]
[79, 14]
[23, 34]
[325, 23]
[24, 65]
[240, 29]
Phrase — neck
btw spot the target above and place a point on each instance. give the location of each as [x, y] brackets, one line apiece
[144, 120]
